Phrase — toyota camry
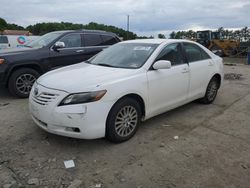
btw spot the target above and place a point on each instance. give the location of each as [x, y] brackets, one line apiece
[113, 92]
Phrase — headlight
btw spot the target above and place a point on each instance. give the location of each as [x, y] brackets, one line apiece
[2, 61]
[79, 98]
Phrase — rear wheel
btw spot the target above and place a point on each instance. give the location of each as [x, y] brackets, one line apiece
[211, 91]
[123, 120]
[21, 82]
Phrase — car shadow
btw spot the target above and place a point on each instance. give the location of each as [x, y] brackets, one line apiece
[4, 94]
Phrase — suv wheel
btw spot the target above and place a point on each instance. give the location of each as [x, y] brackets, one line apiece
[123, 120]
[21, 82]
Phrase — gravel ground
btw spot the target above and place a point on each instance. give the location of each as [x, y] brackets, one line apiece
[192, 146]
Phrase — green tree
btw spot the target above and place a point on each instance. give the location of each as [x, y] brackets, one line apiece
[190, 34]
[3, 24]
[244, 33]
[14, 27]
[172, 35]
[161, 36]
[42, 28]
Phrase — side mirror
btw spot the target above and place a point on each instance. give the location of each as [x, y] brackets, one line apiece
[58, 45]
[162, 64]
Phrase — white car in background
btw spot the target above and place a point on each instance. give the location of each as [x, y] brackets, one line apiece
[132, 81]
[4, 42]
[15, 41]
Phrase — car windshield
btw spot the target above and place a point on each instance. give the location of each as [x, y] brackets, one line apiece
[124, 55]
[43, 40]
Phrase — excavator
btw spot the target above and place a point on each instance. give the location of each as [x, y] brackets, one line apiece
[221, 47]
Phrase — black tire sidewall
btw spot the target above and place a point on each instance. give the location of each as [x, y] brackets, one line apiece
[206, 100]
[111, 134]
[12, 81]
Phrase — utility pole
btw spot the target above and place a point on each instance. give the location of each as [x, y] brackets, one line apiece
[127, 26]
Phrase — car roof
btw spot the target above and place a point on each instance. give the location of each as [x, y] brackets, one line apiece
[84, 31]
[156, 41]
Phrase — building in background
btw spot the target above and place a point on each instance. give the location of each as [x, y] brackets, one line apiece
[16, 32]
[15, 38]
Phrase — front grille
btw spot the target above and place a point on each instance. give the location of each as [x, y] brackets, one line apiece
[44, 98]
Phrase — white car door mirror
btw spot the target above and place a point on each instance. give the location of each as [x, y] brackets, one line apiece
[59, 45]
[162, 64]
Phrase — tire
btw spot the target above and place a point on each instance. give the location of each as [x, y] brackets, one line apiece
[119, 126]
[21, 81]
[211, 91]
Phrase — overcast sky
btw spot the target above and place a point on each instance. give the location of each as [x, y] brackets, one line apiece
[146, 16]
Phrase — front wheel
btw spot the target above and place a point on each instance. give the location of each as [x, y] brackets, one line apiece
[211, 91]
[123, 120]
[21, 82]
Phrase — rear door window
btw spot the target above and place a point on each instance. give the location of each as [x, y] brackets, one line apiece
[108, 40]
[92, 40]
[195, 53]
[4, 40]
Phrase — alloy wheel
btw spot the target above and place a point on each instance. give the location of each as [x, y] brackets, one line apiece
[25, 82]
[212, 91]
[126, 121]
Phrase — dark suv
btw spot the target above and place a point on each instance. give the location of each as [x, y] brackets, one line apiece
[19, 68]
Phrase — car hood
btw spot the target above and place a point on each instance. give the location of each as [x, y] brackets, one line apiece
[83, 77]
[16, 51]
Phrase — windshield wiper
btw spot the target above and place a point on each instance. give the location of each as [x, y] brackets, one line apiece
[106, 65]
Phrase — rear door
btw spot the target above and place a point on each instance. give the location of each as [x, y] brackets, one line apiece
[108, 40]
[200, 64]
[93, 44]
[71, 54]
[168, 88]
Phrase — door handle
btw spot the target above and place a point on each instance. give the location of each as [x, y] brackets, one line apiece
[185, 70]
[79, 51]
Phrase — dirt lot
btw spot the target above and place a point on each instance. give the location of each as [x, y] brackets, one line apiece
[213, 149]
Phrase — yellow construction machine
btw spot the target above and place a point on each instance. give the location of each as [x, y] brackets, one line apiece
[221, 47]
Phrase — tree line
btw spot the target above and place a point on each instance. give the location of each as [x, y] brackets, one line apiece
[43, 28]
[4, 25]
[240, 34]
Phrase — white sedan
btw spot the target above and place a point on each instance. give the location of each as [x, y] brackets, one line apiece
[132, 81]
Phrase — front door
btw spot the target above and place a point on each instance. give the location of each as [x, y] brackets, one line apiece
[168, 88]
[72, 53]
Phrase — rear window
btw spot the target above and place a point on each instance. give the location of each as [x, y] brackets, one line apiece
[3, 40]
[92, 40]
[195, 53]
[108, 40]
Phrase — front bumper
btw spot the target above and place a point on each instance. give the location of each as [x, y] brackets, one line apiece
[85, 121]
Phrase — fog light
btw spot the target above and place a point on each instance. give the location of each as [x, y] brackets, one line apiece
[72, 129]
